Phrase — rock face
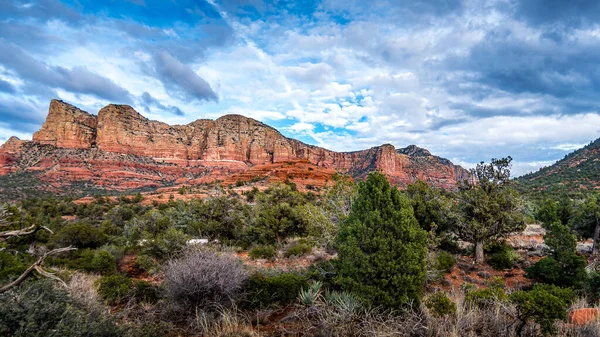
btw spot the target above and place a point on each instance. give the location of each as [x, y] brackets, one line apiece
[67, 126]
[119, 143]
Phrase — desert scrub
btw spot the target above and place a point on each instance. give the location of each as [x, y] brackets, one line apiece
[204, 279]
[263, 252]
[444, 261]
[114, 289]
[298, 249]
[267, 289]
[440, 304]
[502, 256]
[41, 309]
[494, 292]
[544, 304]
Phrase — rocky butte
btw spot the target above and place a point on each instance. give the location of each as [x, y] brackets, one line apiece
[120, 149]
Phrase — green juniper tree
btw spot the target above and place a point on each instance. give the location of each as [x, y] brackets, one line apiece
[488, 207]
[381, 247]
[587, 220]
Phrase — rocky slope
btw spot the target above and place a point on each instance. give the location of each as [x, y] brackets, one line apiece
[576, 174]
[120, 149]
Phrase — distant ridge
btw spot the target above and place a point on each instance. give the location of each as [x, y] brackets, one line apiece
[120, 149]
[576, 174]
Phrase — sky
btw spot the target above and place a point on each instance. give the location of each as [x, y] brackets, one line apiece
[468, 80]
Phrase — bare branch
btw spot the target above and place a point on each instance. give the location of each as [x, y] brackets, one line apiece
[4, 215]
[37, 267]
[25, 231]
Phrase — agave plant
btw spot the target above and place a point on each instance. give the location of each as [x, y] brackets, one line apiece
[312, 295]
[344, 302]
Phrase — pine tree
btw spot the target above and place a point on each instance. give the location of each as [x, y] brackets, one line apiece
[381, 247]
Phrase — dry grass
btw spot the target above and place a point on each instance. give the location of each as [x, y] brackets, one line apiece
[496, 320]
[81, 288]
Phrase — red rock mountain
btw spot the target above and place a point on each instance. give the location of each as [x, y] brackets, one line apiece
[120, 149]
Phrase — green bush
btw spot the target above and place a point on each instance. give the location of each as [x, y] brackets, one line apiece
[494, 292]
[502, 256]
[165, 245]
[145, 263]
[80, 235]
[265, 290]
[146, 292]
[440, 305]
[592, 287]
[39, 309]
[563, 267]
[12, 265]
[114, 288]
[104, 263]
[262, 252]
[444, 261]
[298, 249]
[544, 304]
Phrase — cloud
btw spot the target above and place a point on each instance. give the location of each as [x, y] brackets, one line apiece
[148, 101]
[6, 87]
[467, 81]
[43, 10]
[78, 79]
[23, 116]
[551, 12]
[181, 80]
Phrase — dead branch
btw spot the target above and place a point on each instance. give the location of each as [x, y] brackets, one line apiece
[24, 231]
[37, 266]
[4, 215]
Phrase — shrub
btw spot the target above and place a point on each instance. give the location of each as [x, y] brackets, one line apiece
[444, 261]
[502, 256]
[484, 297]
[11, 265]
[38, 309]
[80, 235]
[104, 263]
[146, 292]
[563, 267]
[203, 278]
[145, 263]
[381, 247]
[168, 244]
[114, 288]
[592, 287]
[544, 304]
[264, 290]
[263, 252]
[440, 305]
[298, 249]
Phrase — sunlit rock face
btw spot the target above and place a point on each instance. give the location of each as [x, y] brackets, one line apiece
[121, 149]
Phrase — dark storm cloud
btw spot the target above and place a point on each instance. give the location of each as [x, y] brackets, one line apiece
[22, 116]
[148, 101]
[565, 72]
[181, 80]
[571, 13]
[78, 79]
[477, 112]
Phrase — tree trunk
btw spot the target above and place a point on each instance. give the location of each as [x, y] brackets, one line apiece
[595, 243]
[479, 252]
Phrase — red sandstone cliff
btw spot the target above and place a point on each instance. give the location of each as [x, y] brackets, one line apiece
[121, 149]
